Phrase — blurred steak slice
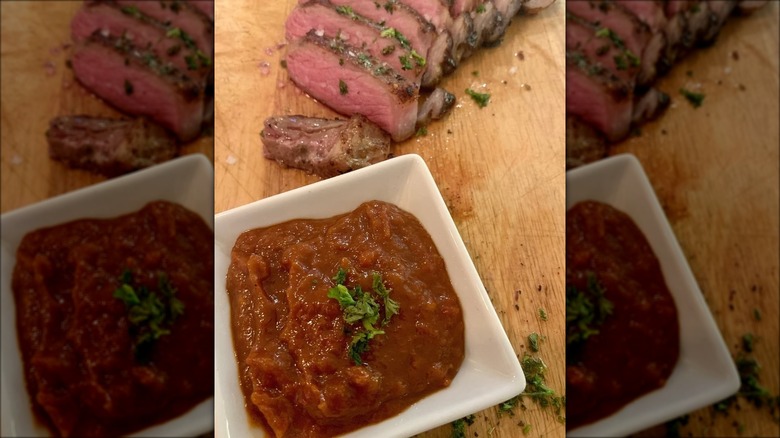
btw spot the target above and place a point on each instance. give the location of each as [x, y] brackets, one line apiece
[204, 6]
[324, 147]
[583, 143]
[137, 82]
[179, 15]
[108, 146]
[597, 96]
[351, 82]
[145, 32]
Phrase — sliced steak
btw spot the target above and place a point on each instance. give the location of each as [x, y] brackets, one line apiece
[530, 7]
[649, 105]
[195, 28]
[145, 33]
[137, 82]
[583, 143]
[598, 97]
[464, 6]
[435, 106]
[434, 11]
[351, 82]
[356, 30]
[204, 6]
[324, 147]
[108, 146]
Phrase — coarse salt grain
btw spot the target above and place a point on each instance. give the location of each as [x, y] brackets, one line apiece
[231, 160]
[513, 70]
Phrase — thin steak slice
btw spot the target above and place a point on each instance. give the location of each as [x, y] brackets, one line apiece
[324, 147]
[352, 82]
[145, 33]
[137, 82]
[108, 146]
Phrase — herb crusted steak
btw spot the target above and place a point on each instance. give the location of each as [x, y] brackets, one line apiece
[372, 58]
[148, 58]
[616, 49]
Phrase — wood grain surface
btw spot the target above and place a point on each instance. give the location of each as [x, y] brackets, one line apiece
[500, 169]
[36, 87]
[715, 171]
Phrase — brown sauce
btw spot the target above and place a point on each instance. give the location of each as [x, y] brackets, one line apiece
[637, 346]
[81, 370]
[289, 337]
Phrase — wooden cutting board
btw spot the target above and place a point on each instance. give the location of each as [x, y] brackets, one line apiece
[36, 87]
[715, 171]
[500, 169]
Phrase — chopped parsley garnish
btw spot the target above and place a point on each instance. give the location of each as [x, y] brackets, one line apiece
[390, 32]
[542, 314]
[151, 313]
[390, 6]
[388, 49]
[481, 99]
[459, 426]
[131, 11]
[585, 311]
[757, 314]
[361, 307]
[694, 98]
[175, 32]
[343, 89]
[536, 389]
[481, 9]
[533, 342]
[411, 59]
[422, 132]
[346, 10]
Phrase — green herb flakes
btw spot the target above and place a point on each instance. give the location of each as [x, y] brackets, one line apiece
[361, 307]
[542, 314]
[422, 132]
[533, 342]
[585, 311]
[343, 89]
[694, 98]
[481, 99]
[150, 313]
[481, 9]
[459, 426]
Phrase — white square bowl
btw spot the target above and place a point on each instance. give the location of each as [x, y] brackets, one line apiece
[705, 372]
[186, 181]
[490, 372]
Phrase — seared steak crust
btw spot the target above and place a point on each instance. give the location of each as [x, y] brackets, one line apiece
[108, 146]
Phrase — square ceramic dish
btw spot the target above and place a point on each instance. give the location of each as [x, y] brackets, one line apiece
[182, 180]
[705, 372]
[490, 372]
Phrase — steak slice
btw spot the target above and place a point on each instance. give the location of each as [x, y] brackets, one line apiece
[138, 83]
[598, 97]
[204, 6]
[145, 32]
[196, 28]
[324, 147]
[352, 82]
[356, 30]
[108, 146]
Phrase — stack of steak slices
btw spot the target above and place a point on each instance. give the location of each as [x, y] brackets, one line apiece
[149, 58]
[373, 57]
[616, 49]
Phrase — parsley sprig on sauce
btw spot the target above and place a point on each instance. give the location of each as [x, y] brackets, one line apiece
[585, 311]
[151, 313]
[361, 307]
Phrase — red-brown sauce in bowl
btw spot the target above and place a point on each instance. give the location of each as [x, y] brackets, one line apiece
[79, 352]
[292, 342]
[638, 343]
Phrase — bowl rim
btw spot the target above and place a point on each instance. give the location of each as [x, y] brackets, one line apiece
[176, 181]
[400, 173]
[621, 180]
